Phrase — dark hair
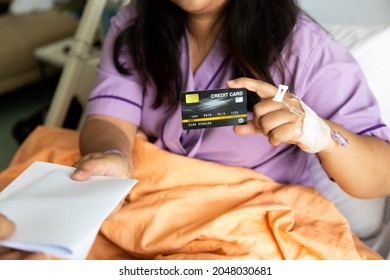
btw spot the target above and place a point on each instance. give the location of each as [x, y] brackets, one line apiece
[255, 32]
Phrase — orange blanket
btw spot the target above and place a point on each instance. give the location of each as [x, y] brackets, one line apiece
[185, 208]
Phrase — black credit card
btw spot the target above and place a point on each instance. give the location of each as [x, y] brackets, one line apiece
[214, 108]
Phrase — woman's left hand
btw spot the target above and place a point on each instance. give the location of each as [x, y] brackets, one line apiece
[290, 120]
[273, 119]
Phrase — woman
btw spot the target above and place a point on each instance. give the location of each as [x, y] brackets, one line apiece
[157, 49]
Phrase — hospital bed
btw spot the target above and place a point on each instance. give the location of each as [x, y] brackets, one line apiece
[369, 219]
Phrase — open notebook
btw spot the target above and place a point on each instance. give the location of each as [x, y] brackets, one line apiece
[56, 215]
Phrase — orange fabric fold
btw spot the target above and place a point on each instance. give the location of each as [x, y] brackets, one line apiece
[185, 208]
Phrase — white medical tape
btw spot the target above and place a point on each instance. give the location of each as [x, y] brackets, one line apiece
[316, 132]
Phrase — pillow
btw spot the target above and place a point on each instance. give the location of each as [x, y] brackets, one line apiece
[370, 45]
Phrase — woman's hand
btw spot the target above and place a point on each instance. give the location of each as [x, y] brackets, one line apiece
[104, 164]
[290, 121]
[273, 119]
[104, 133]
[110, 163]
[7, 228]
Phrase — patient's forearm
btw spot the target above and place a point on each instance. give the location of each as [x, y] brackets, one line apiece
[362, 168]
[101, 133]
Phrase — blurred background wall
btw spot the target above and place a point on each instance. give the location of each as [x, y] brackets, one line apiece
[359, 12]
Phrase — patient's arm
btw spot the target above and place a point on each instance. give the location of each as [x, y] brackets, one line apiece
[362, 168]
[99, 135]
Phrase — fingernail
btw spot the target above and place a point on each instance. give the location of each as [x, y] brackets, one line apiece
[78, 172]
[230, 82]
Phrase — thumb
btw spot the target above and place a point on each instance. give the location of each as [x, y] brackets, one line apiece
[246, 129]
[81, 174]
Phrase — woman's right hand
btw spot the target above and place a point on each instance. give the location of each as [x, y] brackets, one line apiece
[104, 133]
[114, 164]
[102, 164]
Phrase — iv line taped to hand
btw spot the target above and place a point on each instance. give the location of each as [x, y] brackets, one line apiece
[316, 132]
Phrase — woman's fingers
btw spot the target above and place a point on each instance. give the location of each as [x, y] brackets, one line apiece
[285, 132]
[267, 117]
[91, 167]
[269, 122]
[101, 164]
[262, 89]
[81, 174]
[246, 129]
[270, 118]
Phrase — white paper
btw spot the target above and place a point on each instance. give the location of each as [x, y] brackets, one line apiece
[56, 215]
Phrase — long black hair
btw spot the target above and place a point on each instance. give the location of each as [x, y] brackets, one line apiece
[255, 32]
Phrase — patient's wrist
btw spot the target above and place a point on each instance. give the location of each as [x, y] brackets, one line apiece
[131, 166]
[316, 132]
[118, 152]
